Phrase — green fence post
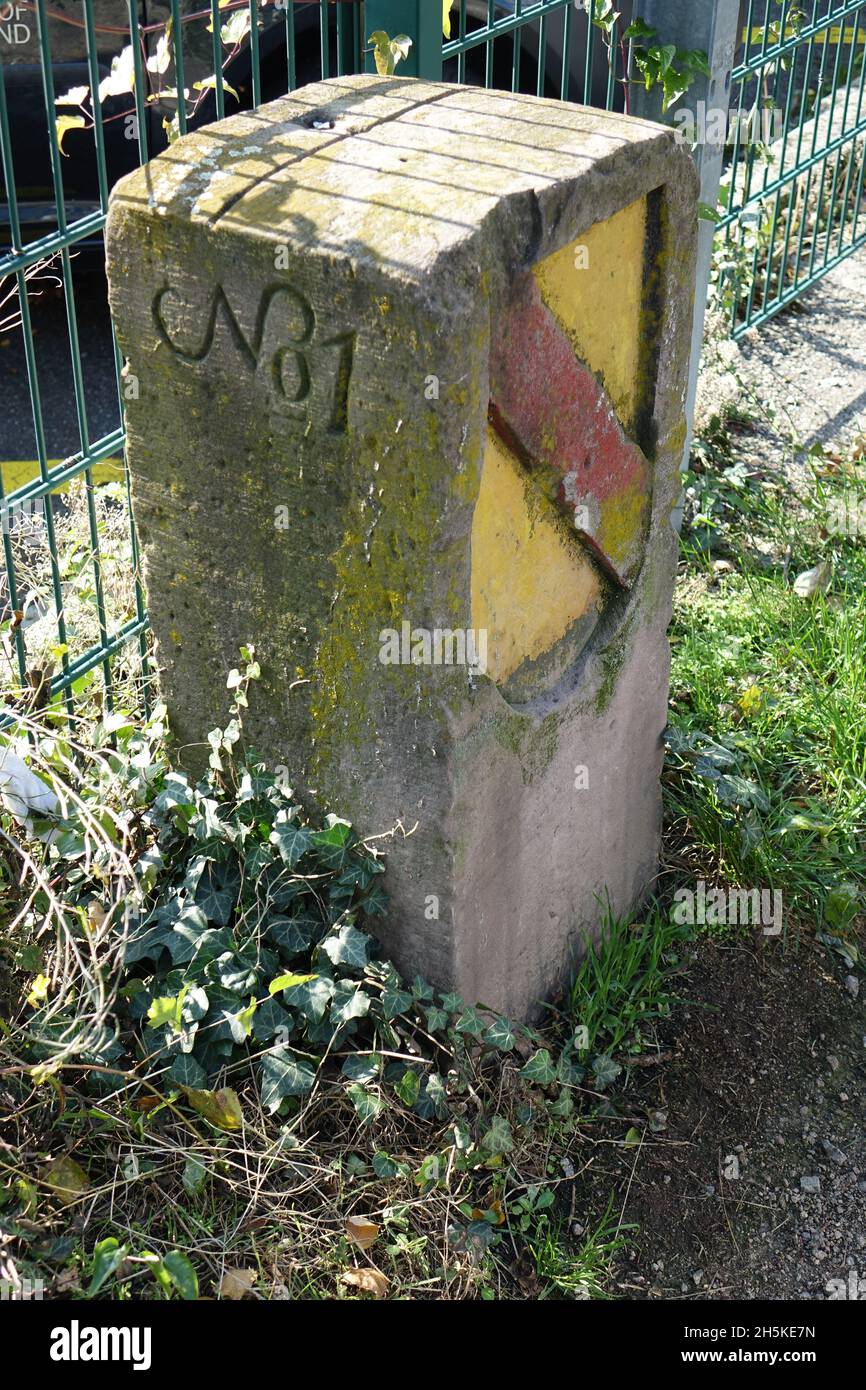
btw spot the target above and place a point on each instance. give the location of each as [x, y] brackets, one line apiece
[422, 21]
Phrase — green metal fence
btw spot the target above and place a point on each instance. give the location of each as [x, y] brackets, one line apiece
[793, 192]
[90, 88]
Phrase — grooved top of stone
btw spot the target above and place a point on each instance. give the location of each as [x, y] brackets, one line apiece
[397, 170]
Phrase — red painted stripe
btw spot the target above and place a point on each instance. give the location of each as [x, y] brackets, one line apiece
[562, 419]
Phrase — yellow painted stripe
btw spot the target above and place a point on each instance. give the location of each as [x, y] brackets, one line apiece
[17, 472]
[831, 35]
[528, 584]
[594, 287]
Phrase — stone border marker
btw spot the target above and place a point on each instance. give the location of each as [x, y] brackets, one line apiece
[410, 364]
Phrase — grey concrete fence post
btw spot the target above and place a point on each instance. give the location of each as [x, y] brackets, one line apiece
[712, 26]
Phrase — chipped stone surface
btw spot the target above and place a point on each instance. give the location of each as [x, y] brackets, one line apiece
[312, 297]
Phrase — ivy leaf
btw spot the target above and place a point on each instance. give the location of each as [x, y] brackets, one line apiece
[388, 52]
[334, 844]
[500, 1034]
[161, 59]
[375, 901]
[363, 1067]
[271, 1019]
[121, 78]
[167, 1011]
[292, 841]
[292, 935]
[408, 1087]
[395, 1001]
[452, 1003]
[470, 1021]
[74, 97]
[605, 1071]
[186, 1071]
[284, 1074]
[741, 791]
[384, 1166]
[568, 1071]
[235, 30]
[540, 1068]
[348, 947]
[312, 998]
[348, 1002]
[437, 1020]
[368, 1106]
[241, 1022]
[234, 973]
[639, 29]
[429, 1172]
[563, 1108]
[147, 867]
[192, 940]
[194, 1175]
[217, 892]
[498, 1139]
[66, 1178]
[433, 1098]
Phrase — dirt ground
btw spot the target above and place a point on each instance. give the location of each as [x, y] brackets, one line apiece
[765, 1088]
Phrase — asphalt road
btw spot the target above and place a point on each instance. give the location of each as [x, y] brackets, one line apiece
[54, 370]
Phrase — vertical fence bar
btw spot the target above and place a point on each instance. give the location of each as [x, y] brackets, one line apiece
[255, 64]
[461, 57]
[15, 232]
[177, 54]
[136, 42]
[291, 75]
[589, 58]
[488, 47]
[217, 57]
[516, 51]
[853, 149]
[324, 47]
[566, 55]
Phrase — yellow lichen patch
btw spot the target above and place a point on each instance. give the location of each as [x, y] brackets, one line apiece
[620, 522]
[594, 287]
[529, 583]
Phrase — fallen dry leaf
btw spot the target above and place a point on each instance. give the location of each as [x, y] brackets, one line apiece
[237, 1283]
[66, 1178]
[96, 915]
[145, 1103]
[367, 1280]
[361, 1231]
[222, 1108]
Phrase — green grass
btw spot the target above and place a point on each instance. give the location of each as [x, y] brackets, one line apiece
[767, 779]
[623, 985]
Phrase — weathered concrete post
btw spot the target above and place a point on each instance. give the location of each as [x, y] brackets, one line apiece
[712, 26]
[411, 362]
